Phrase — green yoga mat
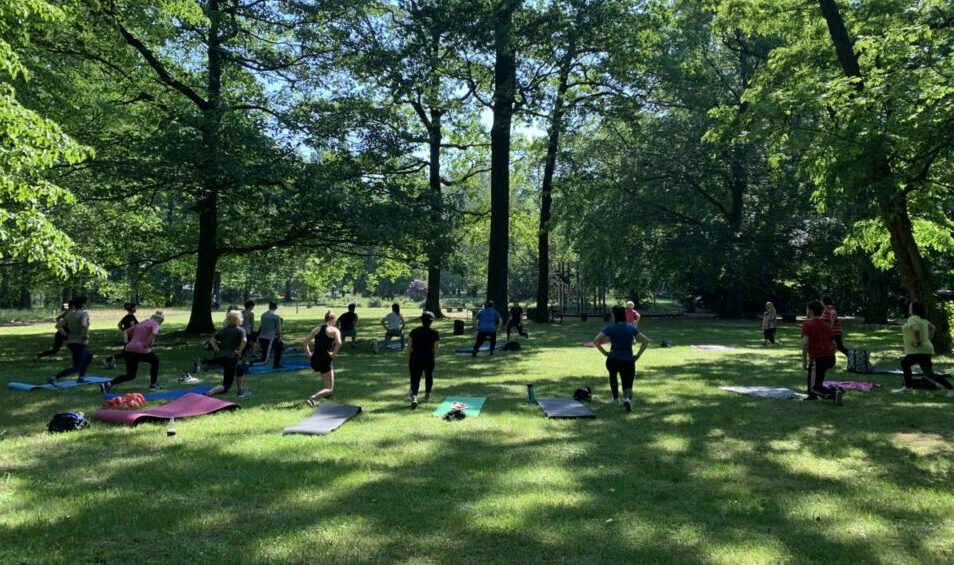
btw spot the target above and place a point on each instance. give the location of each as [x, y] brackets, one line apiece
[474, 404]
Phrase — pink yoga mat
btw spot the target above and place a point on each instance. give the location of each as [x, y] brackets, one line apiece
[863, 386]
[186, 407]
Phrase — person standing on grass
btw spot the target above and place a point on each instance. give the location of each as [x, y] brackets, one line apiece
[126, 322]
[620, 361]
[348, 324]
[270, 337]
[422, 346]
[327, 342]
[769, 324]
[516, 321]
[139, 340]
[488, 322]
[248, 324]
[918, 349]
[228, 345]
[59, 337]
[818, 353]
[830, 316]
[393, 325]
[632, 316]
[77, 341]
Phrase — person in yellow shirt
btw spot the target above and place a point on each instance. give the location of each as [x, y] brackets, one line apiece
[918, 349]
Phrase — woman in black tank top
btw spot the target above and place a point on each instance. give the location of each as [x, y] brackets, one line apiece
[327, 342]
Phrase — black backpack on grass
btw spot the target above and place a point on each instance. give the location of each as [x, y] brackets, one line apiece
[67, 422]
[584, 393]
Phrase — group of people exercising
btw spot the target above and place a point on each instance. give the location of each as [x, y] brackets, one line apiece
[821, 336]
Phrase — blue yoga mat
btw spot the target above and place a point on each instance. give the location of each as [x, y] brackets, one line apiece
[166, 395]
[68, 382]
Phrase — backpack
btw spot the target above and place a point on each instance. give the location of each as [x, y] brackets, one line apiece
[455, 414]
[858, 361]
[583, 393]
[511, 346]
[67, 422]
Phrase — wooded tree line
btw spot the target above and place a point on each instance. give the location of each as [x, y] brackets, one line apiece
[738, 150]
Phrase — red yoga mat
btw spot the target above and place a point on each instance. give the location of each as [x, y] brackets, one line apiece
[186, 407]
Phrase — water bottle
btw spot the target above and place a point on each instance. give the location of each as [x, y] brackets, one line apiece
[171, 430]
[530, 398]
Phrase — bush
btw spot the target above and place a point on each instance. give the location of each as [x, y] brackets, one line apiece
[375, 302]
[417, 290]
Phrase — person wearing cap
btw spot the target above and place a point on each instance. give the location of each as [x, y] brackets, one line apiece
[348, 324]
[422, 346]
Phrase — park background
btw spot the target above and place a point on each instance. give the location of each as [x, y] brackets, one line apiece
[697, 157]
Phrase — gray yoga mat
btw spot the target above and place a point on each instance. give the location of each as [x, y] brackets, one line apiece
[326, 419]
[564, 408]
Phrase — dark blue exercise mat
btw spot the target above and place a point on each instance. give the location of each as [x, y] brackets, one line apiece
[564, 408]
[327, 418]
[296, 365]
[900, 373]
[485, 348]
[166, 395]
[66, 382]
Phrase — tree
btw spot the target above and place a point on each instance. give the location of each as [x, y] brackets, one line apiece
[872, 109]
[30, 146]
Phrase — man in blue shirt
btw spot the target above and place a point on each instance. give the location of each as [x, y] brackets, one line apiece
[488, 322]
[620, 360]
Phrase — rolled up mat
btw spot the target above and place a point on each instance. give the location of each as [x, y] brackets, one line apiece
[327, 418]
[67, 382]
[863, 386]
[564, 408]
[713, 347]
[168, 394]
[473, 405]
[188, 406]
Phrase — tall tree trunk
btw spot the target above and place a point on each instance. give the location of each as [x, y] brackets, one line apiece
[541, 312]
[288, 291]
[505, 79]
[200, 318]
[876, 293]
[26, 299]
[892, 203]
[432, 302]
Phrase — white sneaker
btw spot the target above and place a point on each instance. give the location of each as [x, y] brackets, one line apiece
[903, 390]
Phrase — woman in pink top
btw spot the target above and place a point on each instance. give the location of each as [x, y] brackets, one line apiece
[632, 316]
[138, 348]
[830, 315]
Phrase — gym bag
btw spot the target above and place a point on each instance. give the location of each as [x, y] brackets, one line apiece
[67, 422]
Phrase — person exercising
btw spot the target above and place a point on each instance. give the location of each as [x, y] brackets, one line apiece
[229, 344]
[77, 341]
[326, 339]
[488, 322]
[139, 340]
[348, 324]
[818, 353]
[59, 337]
[422, 346]
[620, 361]
[516, 321]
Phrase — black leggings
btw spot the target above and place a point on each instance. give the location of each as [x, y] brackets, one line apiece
[816, 377]
[626, 370]
[229, 366]
[417, 367]
[483, 336]
[769, 334]
[276, 346]
[839, 344]
[58, 341]
[82, 357]
[922, 360]
[133, 360]
[519, 327]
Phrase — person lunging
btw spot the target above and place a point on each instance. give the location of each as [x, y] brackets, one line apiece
[620, 361]
[422, 346]
[326, 340]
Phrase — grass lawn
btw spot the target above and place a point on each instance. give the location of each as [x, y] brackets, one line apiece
[693, 475]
